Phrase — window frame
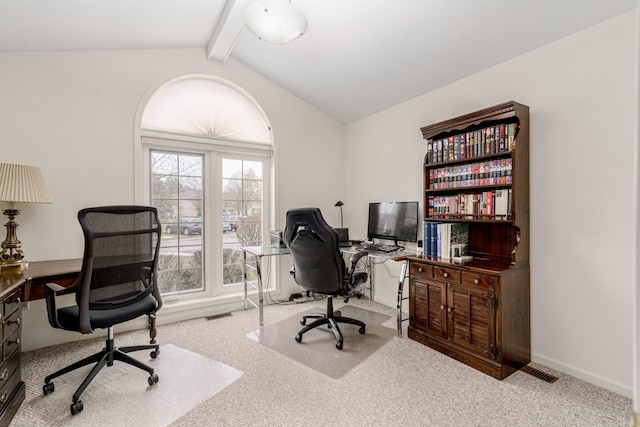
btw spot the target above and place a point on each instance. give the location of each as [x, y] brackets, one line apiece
[190, 306]
[212, 198]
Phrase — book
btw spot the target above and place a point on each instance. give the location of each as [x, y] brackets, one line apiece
[426, 238]
[433, 235]
[501, 203]
[445, 236]
[459, 242]
[512, 136]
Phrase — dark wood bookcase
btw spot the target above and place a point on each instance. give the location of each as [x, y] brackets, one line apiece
[477, 311]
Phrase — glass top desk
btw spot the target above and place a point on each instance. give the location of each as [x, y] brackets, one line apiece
[255, 279]
[399, 256]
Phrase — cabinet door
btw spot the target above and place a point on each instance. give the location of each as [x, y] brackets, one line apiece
[429, 303]
[472, 319]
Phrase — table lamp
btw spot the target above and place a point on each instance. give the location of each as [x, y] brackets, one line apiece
[18, 184]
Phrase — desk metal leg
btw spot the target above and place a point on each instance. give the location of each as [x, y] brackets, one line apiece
[371, 278]
[258, 284]
[244, 278]
[401, 279]
[260, 295]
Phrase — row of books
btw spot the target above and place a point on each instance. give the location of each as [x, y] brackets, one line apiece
[489, 172]
[446, 240]
[489, 140]
[496, 203]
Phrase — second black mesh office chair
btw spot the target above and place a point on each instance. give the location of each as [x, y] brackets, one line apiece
[117, 283]
[318, 266]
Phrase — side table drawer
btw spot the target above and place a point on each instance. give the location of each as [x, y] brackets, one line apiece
[8, 386]
[9, 369]
[481, 280]
[11, 345]
[421, 270]
[11, 323]
[12, 303]
[449, 274]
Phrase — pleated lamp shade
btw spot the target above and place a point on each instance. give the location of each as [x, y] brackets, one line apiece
[23, 184]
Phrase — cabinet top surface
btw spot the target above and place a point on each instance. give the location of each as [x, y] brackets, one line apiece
[477, 265]
[10, 279]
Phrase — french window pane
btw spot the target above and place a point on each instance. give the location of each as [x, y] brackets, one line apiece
[177, 192]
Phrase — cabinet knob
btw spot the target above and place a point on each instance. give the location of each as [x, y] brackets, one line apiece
[420, 270]
[9, 322]
[476, 281]
[442, 307]
[449, 309]
[446, 274]
[4, 375]
[16, 341]
[3, 397]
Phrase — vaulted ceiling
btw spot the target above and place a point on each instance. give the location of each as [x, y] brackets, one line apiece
[358, 57]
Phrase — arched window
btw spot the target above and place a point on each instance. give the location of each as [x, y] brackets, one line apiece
[205, 155]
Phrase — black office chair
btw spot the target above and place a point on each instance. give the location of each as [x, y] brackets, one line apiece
[318, 266]
[117, 283]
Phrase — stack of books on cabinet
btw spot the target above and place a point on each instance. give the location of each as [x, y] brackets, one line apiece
[446, 240]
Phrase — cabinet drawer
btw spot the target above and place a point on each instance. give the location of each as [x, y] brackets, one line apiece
[11, 323]
[9, 368]
[449, 274]
[11, 345]
[481, 280]
[12, 303]
[423, 270]
[8, 385]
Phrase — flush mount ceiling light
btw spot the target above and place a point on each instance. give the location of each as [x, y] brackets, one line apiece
[275, 21]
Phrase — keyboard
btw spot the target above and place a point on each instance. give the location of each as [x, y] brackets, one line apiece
[379, 247]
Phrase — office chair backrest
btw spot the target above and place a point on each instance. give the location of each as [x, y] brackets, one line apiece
[120, 257]
[318, 263]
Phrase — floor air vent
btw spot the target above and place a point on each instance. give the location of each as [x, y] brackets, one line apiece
[218, 316]
[539, 374]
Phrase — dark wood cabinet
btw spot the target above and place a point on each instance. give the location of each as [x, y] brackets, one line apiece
[477, 311]
[12, 388]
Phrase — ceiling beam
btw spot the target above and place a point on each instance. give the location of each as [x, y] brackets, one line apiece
[228, 30]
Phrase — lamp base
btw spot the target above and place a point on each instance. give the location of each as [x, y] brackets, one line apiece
[11, 254]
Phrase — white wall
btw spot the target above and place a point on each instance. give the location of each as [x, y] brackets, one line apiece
[72, 114]
[583, 109]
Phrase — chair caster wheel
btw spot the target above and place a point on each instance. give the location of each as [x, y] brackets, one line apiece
[155, 353]
[298, 338]
[48, 388]
[361, 330]
[153, 379]
[339, 345]
[76, 407]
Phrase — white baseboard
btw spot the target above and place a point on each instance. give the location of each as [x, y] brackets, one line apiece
[37, 333]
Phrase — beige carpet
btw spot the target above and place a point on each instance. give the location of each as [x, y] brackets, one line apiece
[318, 347]
[121, 396]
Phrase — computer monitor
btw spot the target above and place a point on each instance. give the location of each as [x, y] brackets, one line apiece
[397, 221]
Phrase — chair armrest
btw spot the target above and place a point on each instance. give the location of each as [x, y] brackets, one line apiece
[354, 260]
[50, 291]
[356, 257]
